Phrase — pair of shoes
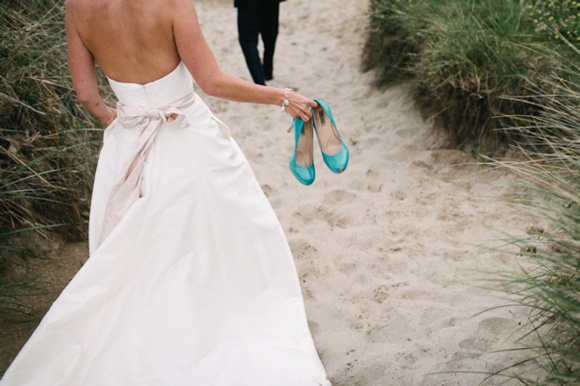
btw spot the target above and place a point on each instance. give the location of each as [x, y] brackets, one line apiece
[334, 151]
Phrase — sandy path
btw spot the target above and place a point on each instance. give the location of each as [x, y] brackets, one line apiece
[381, 247]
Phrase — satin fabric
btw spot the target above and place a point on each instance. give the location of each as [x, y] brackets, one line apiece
[127, 188]
[194, 285]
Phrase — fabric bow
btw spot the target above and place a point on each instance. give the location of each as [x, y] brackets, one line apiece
[127, 187]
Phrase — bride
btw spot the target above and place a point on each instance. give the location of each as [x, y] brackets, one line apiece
[190, 280]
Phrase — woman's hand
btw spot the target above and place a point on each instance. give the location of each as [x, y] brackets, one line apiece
[299, 106]
[110, 117]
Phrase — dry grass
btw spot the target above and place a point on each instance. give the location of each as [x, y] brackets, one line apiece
[48, 142]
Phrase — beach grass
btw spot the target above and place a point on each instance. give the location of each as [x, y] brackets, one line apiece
[461, 58]
[48, 144]
[548, 283]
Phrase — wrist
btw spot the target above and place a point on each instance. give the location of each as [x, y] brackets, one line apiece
[279, 98]
[286, 101]
[104, 117]
[109, 116]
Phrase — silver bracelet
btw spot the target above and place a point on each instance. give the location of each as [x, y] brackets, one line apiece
[287, 91]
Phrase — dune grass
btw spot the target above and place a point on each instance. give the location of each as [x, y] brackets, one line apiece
[550, 285]
[461, 58]
[48, 145]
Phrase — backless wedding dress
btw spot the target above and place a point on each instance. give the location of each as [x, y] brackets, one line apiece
[190, 279]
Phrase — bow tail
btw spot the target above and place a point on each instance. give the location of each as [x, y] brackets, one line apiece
[127, 188]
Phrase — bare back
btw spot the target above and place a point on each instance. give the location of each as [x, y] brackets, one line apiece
[132, 40]
[139, 41]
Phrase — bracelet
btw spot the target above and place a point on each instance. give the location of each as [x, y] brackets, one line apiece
[287, 91]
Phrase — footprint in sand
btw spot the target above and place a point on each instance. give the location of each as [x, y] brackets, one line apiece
[497, 326]
[381, 293]
[308, 213]
[371, 173]
[333, 212]
[375, 188]
[477, 344]
[314, 327]
[399, 195]
[301, 248]
[338, 220]
[339, 196]
[488, 332]
[268, 190]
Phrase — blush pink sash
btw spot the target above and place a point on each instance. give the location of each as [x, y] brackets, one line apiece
[127, 187]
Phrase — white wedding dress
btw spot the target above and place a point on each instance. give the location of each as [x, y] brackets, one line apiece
[193, 282]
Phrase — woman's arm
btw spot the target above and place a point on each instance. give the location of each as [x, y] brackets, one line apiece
[82, 68]
[197, 56]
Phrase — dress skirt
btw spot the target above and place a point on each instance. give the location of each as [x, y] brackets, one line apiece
[195, 283]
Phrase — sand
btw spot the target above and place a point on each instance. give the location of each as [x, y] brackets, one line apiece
[390, 251]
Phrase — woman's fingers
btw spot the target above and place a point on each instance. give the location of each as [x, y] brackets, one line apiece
[300, 106]
[302, 113]
[306, 114]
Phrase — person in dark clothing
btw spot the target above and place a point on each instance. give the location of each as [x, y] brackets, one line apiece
[258, 17]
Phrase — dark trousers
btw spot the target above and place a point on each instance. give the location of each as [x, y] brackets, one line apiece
[252, 22]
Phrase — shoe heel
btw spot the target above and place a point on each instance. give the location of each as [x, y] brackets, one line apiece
[334, 151]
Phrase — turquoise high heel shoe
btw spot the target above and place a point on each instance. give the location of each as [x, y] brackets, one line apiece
[334, 151]
[302, 162]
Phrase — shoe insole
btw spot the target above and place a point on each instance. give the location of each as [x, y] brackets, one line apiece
[329, 140]
[304, 146]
